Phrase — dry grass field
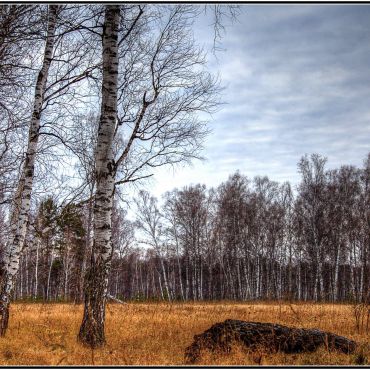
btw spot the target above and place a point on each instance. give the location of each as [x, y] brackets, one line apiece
[157, 333]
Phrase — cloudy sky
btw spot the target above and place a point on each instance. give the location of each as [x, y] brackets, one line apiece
[297, 80]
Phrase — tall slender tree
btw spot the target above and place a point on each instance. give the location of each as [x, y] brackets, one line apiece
[162, 86]
[22, 199]
[92, 327]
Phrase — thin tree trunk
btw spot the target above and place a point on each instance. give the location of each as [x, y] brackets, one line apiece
[160, 285]
[180, 277]
[321, 282]
[66, 275]
[336, 276]
[136, 280]
[27, 275]
[299, 278]
[49, 274]
[363, 287]
[201, 281]
[355, 274]
[210, 281]
[246, 292]
[179, 264]
[165, 277]
[85, 250]
[258, 278]
[315, 292]
[116, 287]
[37, 269]
[195, 279]
[240, 294]
[187, 279]
[92, 327]
[21, 279]
[22, 200]
[290, 290]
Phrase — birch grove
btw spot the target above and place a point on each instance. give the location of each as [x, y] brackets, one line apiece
[117, 91]
[244, 240]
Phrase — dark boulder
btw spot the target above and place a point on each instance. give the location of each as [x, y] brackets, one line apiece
[271, 337]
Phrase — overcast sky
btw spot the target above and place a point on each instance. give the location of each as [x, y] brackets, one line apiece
[297, 80]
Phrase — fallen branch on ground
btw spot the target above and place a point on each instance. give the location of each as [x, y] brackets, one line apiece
[115, 299]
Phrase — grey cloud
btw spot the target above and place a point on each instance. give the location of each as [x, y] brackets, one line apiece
[297, 81]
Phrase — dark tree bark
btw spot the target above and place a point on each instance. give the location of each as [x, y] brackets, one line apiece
[271, 337]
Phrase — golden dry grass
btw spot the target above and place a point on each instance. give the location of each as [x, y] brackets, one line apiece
[157, 333]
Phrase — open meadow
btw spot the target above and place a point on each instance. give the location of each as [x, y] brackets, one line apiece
[158, 333]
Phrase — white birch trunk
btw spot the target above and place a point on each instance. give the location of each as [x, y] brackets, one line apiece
[37, 269]
[201, 280]
[179, 264]
[187, 280]
[160, 285]
[92, 327]
[21, 279]
[27, 275]
[49, 273]
[246, 288]
[86, 249]
[336, 276]
[258, 278]
[165, 279]
[240, 294]
[22, 200]
[321, 281]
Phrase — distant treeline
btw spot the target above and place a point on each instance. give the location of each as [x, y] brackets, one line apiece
[245, 240]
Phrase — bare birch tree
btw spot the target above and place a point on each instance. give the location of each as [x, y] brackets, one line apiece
[60, 69]
[16, 69]
[149, 220]
[160, 88]
[22, 199]
[92, 328]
